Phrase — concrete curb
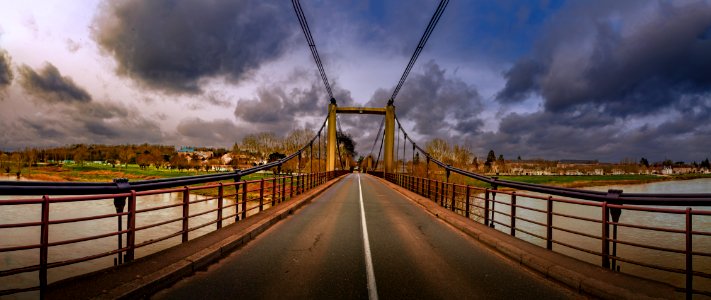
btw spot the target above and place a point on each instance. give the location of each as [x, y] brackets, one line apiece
[582, 277]
[146, 284]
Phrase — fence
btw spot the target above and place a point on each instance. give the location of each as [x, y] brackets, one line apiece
[230, 202]
[657, 240]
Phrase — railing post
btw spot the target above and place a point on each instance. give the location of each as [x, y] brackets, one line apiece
[244, 199]
[283, 188]
[298, 183]
[467, 202]
[549, 224]
[120, 204]
[186, 213]
[291, 187]
[237, 201]
[494, 187]
[261, 195]
[513, 213]
[605, 237]
[614, 213]
[689, 255]
[44, 247]
[454, 196]
[442, 193]
[220, 196]
[486, 207]
[131, 235]
[275, 189]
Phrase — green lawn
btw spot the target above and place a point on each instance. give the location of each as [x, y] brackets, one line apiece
[586, 180]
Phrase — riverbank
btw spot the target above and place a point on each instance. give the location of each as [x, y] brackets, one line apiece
[582, 181]
[106, 173]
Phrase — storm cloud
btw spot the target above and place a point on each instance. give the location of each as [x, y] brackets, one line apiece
[279, 108]
[630, 60]
[172, 45]
[6, 74]
[49, 85]
[209, 133]
[440, 105]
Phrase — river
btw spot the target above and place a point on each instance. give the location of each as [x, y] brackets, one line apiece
[31, 213]
[641, 236]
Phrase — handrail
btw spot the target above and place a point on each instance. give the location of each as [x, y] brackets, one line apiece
[277, 189]
[21, 188]
[519, 211]
[671, 199]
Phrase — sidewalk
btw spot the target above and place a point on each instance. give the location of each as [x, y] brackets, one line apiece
[152, 273]
[583, 277]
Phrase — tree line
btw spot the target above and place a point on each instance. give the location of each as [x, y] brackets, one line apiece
[254, 149]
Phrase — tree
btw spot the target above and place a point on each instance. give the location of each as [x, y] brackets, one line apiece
[80, 154]
[348, 144]
[126, 155]
[275, 156]
[438, 149]
[143, 160]
[644, 162]
[667, 163]
[705, 164]
[462, 155]
[490, 159]
[179, 162]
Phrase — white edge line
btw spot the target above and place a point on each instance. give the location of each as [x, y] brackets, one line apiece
[372, 288]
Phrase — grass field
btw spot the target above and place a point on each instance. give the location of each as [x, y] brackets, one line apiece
[588, 180]
[91, 172]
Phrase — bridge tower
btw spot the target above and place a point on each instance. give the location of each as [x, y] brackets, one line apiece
[389, 140]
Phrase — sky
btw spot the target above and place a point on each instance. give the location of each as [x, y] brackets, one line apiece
[551, 79]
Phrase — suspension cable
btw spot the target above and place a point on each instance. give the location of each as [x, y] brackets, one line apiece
[338, 144]
[312, 45]
[379, 151]
[397, 151]
[423, 40]
[377, 136]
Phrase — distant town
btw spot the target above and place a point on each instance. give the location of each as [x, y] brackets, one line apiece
[265, 147]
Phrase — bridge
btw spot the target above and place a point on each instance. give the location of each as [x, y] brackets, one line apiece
[423, 229]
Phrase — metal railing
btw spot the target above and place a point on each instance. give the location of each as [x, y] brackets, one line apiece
[588, 222]
[664, 237]
[234, 201]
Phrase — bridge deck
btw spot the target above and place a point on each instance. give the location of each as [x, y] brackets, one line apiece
[319, 253]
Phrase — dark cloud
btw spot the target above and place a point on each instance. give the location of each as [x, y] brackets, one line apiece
[6, 75]
[172, 45]
[280, 109]
[90, 123]
[439, 105]
[592, 134]
[611, 57]
[49, 85]
[618, 79]
[210, 133]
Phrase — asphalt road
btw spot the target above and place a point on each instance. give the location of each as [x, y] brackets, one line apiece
[320, 253]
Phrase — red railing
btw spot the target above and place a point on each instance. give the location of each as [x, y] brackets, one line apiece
[659, 243]
[234, 201]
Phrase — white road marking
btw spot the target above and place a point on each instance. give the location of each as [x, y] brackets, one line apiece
[372, 288]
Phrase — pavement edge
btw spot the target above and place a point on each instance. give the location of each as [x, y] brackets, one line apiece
[145, 285]
[574, 274]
